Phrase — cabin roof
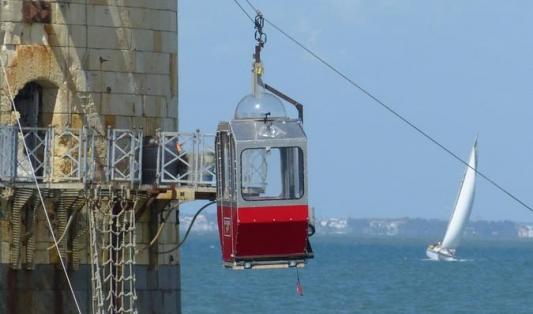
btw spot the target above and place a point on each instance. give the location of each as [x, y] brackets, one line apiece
[276, 129]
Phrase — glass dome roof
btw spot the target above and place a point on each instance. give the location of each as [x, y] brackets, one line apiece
[255, 107]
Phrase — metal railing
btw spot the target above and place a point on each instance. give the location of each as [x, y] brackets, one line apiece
[125, 155]
[55, 155]
[186, 159]
[8, 156]
[35, 155]
[67, 155]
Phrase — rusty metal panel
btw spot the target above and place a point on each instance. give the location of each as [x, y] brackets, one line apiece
[36, 11]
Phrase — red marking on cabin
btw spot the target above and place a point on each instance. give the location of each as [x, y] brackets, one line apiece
[271, 231]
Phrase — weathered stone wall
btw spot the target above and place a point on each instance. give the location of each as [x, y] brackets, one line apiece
[39, 285]
[46, 291]
[114, 63]
[100, 63]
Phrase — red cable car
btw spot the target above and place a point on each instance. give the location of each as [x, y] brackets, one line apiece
[262, 207]
[263, 214]
[261, 165]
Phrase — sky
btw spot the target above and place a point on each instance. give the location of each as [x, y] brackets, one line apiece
[454, 68]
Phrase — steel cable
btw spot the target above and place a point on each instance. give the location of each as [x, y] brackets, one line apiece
[385, 106]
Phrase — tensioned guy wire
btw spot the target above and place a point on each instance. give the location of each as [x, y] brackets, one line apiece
[384, 105]
[43, 205]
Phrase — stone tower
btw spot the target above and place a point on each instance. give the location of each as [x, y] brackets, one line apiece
[94, 82]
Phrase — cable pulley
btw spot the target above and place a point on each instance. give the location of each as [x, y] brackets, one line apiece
[259, 23]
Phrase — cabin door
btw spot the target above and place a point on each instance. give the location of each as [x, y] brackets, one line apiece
[225, 193]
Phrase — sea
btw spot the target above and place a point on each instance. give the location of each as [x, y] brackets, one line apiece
[364, 275]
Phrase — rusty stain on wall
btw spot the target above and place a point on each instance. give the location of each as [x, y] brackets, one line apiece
[35, 63]
[36, 12]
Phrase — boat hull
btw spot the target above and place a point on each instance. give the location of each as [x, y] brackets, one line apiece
[435, 255]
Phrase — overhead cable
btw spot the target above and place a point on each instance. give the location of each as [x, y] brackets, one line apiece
[384, 105]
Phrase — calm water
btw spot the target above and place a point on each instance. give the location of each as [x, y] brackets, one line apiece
[353, 275]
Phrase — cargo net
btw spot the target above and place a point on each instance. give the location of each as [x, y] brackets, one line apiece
[112, 242]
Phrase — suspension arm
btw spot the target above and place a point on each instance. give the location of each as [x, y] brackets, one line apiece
[293, 102]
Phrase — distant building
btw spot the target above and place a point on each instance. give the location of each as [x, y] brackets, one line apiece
[395, 227]
[385, 227]
[203, 224]
[334, 225]
[525, 231]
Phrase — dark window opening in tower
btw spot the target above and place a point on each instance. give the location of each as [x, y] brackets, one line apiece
[28, 103]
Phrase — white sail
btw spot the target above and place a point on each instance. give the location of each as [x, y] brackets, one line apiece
[463, 205]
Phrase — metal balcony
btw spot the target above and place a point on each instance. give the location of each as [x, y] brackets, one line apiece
[76, 158]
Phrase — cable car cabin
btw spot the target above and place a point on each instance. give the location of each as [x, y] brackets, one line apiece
[263, 214]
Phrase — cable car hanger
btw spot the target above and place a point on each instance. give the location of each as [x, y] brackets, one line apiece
[263, 213]
[261, 38]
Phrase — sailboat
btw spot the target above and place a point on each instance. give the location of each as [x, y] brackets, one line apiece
[445, 250]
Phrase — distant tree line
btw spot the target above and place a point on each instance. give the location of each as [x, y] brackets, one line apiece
[417, 227]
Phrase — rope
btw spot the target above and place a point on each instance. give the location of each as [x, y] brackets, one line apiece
[50, 228]
[116, 276]
[188, 230]
[388, 108]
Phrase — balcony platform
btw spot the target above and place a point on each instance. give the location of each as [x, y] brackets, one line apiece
[171, 165]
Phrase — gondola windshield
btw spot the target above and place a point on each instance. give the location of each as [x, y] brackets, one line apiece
[272, 173]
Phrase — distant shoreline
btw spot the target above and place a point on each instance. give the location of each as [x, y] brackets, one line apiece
[392, 227]
[419, 227]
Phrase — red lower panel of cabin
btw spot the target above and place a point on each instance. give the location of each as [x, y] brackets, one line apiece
[225, 230]
[264, 233]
